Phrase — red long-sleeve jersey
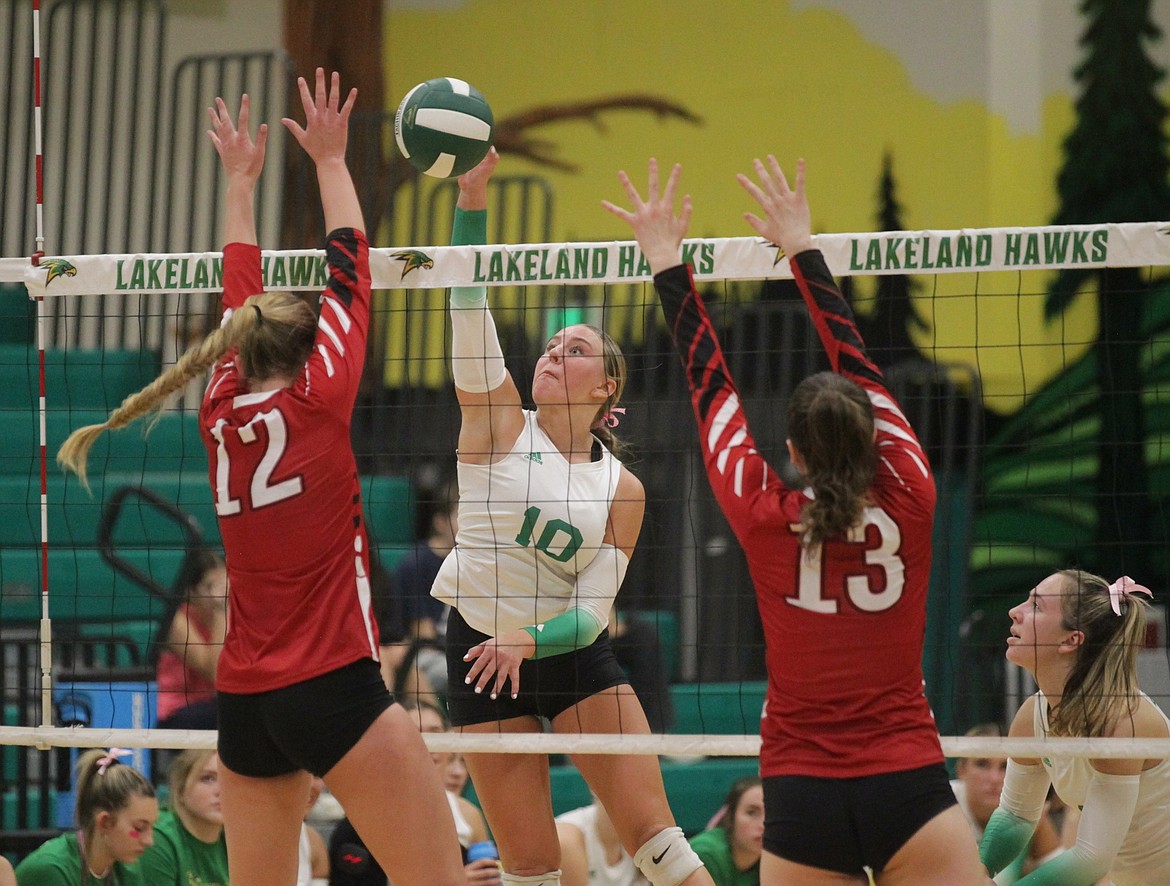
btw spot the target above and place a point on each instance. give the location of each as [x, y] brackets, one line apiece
[844, 628]
[286, 490]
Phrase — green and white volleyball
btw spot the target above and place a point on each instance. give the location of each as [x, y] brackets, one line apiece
[444, 127]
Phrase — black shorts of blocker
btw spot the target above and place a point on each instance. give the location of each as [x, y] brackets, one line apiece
[548, 686]
[309, 725]
[846, 824]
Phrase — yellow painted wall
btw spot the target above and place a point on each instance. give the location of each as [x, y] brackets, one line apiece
[764, 78]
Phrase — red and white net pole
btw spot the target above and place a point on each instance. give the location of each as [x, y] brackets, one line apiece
[46, 627]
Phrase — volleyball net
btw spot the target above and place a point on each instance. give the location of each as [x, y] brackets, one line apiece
[1045, 418]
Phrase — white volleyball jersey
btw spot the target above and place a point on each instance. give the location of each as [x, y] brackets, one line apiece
[601, 872]
[1144, 857]
[528, 525]
[462, 825]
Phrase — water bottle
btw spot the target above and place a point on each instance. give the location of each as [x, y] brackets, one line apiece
[482, 849]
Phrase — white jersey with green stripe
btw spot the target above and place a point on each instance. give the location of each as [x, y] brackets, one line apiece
[528, 524]
[1144, 857]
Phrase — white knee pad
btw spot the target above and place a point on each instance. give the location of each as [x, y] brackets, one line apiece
[667, 859]
[552, 878]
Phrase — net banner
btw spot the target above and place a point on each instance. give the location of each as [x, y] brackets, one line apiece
[730, 258]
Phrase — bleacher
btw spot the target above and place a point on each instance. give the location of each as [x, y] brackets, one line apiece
[169, 460]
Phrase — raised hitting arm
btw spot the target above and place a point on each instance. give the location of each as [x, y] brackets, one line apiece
[491, 416]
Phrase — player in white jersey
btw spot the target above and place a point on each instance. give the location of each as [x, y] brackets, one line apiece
[548, 519]
[1078, 636]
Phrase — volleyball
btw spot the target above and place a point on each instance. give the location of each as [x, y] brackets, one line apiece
[444, 127]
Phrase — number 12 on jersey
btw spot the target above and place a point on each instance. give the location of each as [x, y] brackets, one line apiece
[262, 491]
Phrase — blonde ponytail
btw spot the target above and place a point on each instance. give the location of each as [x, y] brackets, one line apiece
[1102, 687]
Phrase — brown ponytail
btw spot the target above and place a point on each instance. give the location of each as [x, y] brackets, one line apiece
[830, 422]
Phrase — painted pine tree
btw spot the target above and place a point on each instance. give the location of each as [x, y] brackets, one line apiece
[889, 329]
[1115, 170]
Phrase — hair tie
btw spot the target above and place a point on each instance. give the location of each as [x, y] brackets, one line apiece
[1121, 587]
[610, 419]
[111, 758]
[259, 315]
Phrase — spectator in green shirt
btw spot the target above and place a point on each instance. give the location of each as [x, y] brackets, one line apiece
[115, 813]
[732, 846]
[189, 845]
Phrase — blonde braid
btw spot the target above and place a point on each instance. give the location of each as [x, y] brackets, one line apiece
[74, 452]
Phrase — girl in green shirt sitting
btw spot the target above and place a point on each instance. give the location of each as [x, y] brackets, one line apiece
[732, 847]
[189, 845]
[116, 811]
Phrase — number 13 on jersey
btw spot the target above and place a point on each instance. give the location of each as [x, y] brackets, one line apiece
[874, 585]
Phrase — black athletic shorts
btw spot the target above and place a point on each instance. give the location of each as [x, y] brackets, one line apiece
[309, 725]
[847, 824]
[548, 686]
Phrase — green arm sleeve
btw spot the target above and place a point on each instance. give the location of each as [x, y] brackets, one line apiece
[1004, 838]
[1067, 869]
[570, 630]
[469, 229]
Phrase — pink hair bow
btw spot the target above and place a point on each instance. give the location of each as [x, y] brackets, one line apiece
[1121, 587]
[111, 758]
[610, 419]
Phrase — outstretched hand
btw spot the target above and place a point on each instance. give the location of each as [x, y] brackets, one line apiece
[326, 119]
[473, 183]
[788, 222]
[243, 159]
[658, 229]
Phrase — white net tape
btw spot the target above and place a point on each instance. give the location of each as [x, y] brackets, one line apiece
[728, 258]
[548, 743]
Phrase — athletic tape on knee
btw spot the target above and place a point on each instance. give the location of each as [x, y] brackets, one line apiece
[552, 878]
[667, 858]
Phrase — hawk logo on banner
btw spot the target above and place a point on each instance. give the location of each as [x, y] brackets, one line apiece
[411, 259]
[779, 251]
[57, 267]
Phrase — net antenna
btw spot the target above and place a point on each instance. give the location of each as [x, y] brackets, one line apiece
[46, 625]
